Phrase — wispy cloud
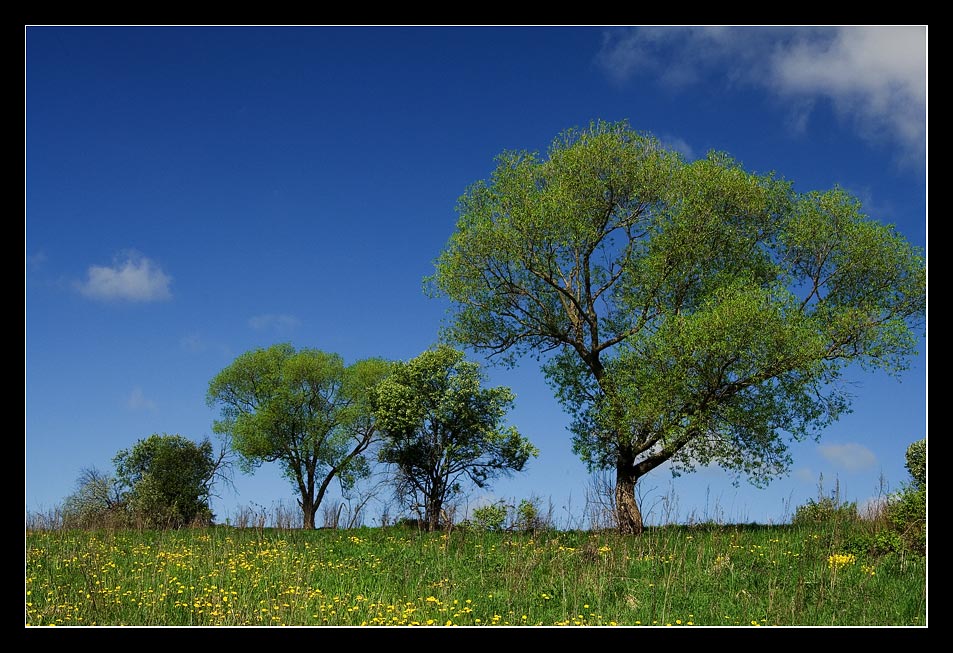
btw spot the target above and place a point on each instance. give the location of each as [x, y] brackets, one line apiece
[681, 56]
[278, 322]
[680, 145]
[131, 278]
[805, 474]
[851, 456]
[35, 261]
[875, 77]
[194, 343]
[138, 401]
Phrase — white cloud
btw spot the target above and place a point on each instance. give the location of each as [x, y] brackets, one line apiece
[135, 278]
[876, 75]
[138, 401]
[873, 76]
[850, 456]
[282, 323]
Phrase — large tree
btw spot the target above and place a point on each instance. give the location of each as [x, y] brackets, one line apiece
[304, 409]
[689, 312]
[442, 427]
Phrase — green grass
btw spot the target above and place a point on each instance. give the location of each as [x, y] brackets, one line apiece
[672, 575]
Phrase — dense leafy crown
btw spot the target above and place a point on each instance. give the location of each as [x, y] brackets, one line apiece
[693, 311]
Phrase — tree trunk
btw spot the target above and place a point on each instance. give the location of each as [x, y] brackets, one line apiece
[308, 509]
[433, 514]
[628, 515]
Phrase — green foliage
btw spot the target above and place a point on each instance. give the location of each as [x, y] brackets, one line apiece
[524, 517]
[823, 510]
[875, 543]
[442, 428]
[886, 542]
[900, 527]
[690, 312]
[491, 517]
[528, 516]
[906, 512]
[826, 508]
[917, 463]
[97, 502]
[303, 409]
[167, 480]
[907, 515]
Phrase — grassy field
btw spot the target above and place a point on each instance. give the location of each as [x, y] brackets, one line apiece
[671, 576]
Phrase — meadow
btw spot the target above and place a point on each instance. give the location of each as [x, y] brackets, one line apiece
[679, 576]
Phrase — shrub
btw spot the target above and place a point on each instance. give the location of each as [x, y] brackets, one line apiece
[906, 515]
[906, 512]
[902, 523]
[413, 523]
[97, 503]
[528, 517]
[917, 463]
[491, 517]
[825, 509]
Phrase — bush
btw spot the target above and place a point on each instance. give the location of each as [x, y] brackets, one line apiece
[528, 516]
[825, 509]
[902, 524]
[907, 516]
[491, 517]
[881, 542]
[413, 523]
[96, 503]
[906, 512]
[917, 463]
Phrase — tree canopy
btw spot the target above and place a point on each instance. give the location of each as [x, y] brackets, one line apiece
[167, 480]
[686, 312]
[304, 409]
[442, 428]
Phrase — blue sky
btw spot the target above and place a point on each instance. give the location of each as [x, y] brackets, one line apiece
[195, 192]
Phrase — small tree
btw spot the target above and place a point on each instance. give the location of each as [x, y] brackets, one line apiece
[303, 409]
[98, 497]
[441, 427]
[167, 480]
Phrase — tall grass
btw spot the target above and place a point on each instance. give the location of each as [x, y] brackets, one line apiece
[702, 575]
